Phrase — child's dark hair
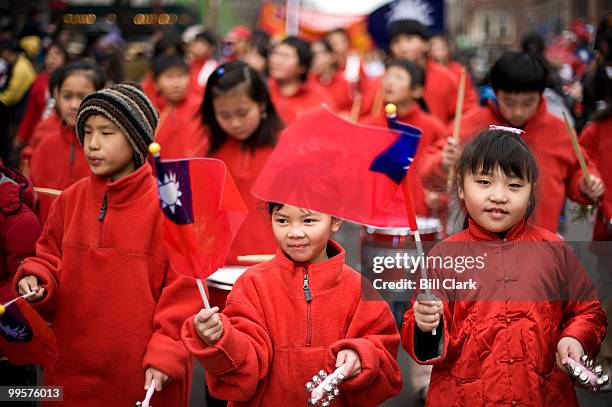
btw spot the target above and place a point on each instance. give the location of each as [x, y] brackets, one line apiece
[302, 48]
[227, 78]
[408, 27]
[502, 149]
[519, 71]
[169, 44]
[417, 76]
[165, 62]
[89, 70]
[274, 206]
[207, 36]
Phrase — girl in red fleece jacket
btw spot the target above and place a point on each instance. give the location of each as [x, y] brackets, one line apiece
[287, 318]
[502, 322]
[243, 127]
[100, 271]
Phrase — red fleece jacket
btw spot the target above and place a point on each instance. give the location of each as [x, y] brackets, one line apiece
[274, 340]
[597, 142]
[180, 131]
[115, 304]
[496, 343]
[57, 162]
[255, 235]
[546, 136]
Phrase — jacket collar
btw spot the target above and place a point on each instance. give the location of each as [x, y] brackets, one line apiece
[321, 276]
[125, 190]
[540, 111]
[480, 233]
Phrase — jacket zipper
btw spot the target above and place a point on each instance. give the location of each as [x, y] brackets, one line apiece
[308, 298]
[101, 217]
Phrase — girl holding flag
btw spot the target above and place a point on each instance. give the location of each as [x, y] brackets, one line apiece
[101, 273]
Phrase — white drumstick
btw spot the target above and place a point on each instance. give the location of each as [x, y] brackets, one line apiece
[150, 391]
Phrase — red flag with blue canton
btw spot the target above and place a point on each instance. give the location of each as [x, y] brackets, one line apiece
[25, 338]
[327, 164]
[203, 212]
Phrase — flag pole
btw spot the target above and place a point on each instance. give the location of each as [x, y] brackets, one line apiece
[154, 149]
[391, 112]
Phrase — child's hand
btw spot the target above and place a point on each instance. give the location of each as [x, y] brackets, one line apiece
[351, 361]
[568, 347]
[208, 325]
[160, 378]
[593, 188]
[450, 154]
[29, 284]
[427, 314]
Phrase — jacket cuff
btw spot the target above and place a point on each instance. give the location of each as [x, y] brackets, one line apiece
[166, 354]
[224, 356]
[368, 355]
[45, 280]
[590, 343]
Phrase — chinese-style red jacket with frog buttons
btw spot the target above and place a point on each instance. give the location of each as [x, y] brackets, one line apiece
[115, 304]
[284, 321]
[57, 162]
[546, 136]
[496, 343]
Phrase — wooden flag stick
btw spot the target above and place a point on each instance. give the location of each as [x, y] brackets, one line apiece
[203, 293]
[255, 258]
[47, 191]
[356, 107]
[572, 134]
[459, 107]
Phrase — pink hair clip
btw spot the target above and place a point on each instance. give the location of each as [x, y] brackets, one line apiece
[504, 128]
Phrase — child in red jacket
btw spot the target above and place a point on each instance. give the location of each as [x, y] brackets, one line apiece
[100, 271]
[518, 79]
[180, 131]
[523, 302]
[244, 127]
[294, 315]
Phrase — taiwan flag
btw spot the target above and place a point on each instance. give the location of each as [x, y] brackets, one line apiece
[25, 338]
[330, 165]
[203, 212]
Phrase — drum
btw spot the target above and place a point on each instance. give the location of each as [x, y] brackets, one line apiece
[221, 282]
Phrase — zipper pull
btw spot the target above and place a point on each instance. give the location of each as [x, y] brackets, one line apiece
[307, 294]
[102, 209]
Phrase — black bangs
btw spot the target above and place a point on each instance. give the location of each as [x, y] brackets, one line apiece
[498, 148]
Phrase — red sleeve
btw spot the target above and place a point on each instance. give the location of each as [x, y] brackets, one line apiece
[374, 336]
[243, 355]
[33, 112]
[179, 299]
[21, 231]
[583, 317]
[46, 266]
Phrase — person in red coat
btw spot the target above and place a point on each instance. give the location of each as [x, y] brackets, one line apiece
[596, 141]
[58, 160]
[294, 315]
[180, 132]
[202, 64]
[518, 80]
[244, 127]
[39, 95]
[101, 274]
[520, 305]
[291, 93]
[409, 41]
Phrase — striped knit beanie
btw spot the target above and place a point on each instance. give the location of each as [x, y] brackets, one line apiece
[128, 108]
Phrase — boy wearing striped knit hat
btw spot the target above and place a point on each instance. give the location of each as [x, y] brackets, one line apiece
[100, 273]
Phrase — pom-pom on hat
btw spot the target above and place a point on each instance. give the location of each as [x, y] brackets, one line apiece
[128, 108]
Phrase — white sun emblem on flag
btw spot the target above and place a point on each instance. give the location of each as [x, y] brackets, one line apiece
[169, 192]
[411, 10]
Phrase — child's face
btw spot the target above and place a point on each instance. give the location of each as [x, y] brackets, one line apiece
[322, 59]
[238, 115]
[438, 50]
[54, 59]
[107, 149]
[172, 84]
[518, 108]
[200, 49]
[70, 94]
[303, 234]
[397, 85]
[495, 201]
[410, 47]
[285, 63]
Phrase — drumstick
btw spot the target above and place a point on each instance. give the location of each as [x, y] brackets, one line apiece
[572, 134]
[356, 107]
[255, 258]
[48, 191]
[459, 106]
